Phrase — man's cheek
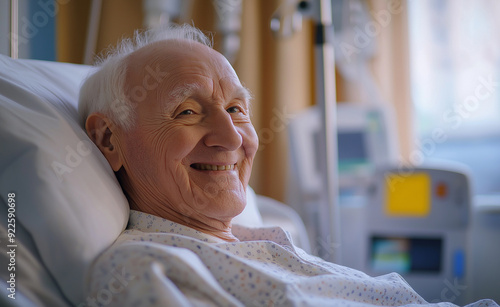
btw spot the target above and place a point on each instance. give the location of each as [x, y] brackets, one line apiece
[250, 141]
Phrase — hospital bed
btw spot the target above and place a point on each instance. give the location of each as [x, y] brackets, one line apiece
[60, 203]
[62, 219]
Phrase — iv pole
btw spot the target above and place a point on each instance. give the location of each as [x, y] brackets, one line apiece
[328, 219]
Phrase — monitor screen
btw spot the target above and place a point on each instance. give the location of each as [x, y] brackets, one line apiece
[352, 149]
[406, 255]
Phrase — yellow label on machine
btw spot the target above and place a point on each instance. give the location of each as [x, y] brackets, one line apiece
[408, 194]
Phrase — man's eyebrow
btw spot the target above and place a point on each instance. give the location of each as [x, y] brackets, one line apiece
[184, 91]
[180, 94]
[243, 92]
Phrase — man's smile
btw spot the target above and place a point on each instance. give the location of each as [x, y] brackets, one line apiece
[213, 167]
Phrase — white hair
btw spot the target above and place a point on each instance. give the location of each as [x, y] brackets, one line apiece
[104, 90]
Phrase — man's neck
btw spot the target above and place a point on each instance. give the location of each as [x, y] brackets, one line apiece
[142, 201]
[211, 227]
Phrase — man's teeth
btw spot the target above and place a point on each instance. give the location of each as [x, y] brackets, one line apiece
[211, 167]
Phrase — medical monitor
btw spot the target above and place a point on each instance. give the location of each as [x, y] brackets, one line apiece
[416, 225]
[365, 141]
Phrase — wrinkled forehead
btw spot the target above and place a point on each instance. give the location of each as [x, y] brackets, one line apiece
[176, 65]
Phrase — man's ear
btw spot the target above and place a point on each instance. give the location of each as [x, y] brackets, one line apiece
[100, 131]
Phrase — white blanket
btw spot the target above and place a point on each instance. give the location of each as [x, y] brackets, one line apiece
[156, 262]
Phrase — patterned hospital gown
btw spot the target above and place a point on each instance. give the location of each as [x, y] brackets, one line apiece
[156, 262]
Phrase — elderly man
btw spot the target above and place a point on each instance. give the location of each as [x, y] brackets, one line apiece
[172, 118]
[184, 149]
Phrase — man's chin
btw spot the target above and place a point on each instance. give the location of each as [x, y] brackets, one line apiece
[225, 204]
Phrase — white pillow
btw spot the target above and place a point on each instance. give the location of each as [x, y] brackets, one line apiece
[250, 216]
[66, 195]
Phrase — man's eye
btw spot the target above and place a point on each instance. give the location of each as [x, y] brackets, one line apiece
[233, 110]
[187, 112]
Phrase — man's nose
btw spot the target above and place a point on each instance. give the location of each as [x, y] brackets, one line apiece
[222, 132]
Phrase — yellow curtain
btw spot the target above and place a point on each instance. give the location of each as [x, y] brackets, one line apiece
[391, 69]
